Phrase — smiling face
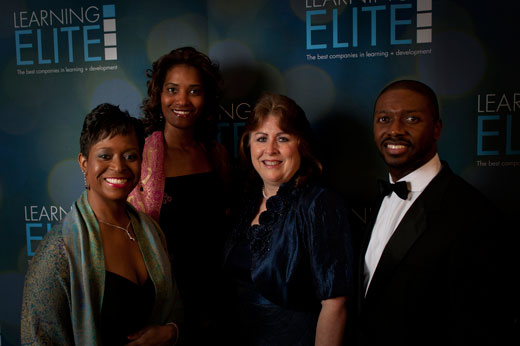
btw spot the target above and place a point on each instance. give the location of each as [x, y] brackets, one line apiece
[112, 169]
[405, 131]
[274, 153]
[182, 97]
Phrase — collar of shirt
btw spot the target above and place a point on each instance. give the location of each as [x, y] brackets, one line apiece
[421, 177]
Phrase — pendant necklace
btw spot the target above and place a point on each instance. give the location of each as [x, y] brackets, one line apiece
[119, 227]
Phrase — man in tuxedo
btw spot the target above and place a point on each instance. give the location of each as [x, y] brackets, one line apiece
[429, 270]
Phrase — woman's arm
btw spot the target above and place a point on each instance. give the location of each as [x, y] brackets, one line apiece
[331, 322]
[45, 308]
[155, 336]
[332, 265]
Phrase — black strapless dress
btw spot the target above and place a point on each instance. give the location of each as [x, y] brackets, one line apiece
[126, 308]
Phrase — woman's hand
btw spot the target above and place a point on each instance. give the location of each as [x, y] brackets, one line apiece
[155, 336]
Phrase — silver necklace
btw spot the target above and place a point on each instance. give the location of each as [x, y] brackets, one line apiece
[263, 192]
[119, 227]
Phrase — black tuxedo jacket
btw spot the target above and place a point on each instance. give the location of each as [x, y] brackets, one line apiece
[437, 282]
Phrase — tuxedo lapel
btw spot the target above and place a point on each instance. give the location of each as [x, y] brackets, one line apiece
[409, 230]
[370, 225]
[363, 248]
[413, 224]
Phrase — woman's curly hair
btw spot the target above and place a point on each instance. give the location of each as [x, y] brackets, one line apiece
[211, 82]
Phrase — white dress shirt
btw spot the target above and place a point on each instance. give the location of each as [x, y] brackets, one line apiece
[392, 212]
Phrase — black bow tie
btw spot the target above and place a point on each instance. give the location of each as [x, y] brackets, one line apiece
[400, 188]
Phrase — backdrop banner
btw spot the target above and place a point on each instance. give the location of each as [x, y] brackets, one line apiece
[62, 58]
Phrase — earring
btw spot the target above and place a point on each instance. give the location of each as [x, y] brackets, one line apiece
[85, 180]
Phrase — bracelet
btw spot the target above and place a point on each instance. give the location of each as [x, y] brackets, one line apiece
[177, 329]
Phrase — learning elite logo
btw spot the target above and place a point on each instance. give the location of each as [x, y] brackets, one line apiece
[347, 24]
[65, 35]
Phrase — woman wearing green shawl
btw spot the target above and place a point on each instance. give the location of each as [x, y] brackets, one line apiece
[102, 276]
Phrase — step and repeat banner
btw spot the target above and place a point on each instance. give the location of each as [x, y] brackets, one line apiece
[62, 58]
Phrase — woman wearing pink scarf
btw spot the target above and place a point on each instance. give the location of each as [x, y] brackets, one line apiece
[184, 177]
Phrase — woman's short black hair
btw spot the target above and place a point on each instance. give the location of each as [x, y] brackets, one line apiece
[107, 120]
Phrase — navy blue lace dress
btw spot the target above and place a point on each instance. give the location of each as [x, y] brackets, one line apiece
[281, 270]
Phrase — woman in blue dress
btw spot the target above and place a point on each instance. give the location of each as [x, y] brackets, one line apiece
[289, 255]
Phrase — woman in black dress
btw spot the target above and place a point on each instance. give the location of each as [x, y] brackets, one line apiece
[184, 180]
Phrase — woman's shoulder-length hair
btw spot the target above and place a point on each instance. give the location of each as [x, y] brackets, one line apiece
[292, 120]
